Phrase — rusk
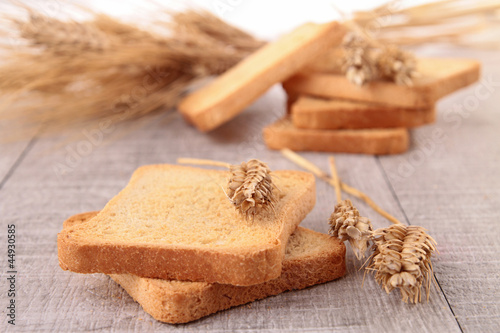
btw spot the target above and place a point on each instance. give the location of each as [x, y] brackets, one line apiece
[282, 134]
[438, 77]
[316, 113]
[175, 222]
[230, 93]
[311, 258]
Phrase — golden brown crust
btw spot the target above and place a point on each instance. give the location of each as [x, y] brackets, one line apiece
[322, 259]
[315, 113]
[282, 134]
[229, 94]
[238, 266]
[181, 264]
[439, 77]
[180, 305]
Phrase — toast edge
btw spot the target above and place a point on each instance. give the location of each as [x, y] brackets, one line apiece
[183, 306]
[320, 85]
[184, 264]
[376, 116]
[395, 142]
[215, 115]
[187, 264]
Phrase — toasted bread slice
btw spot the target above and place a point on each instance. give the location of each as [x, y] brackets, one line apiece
[311, 258]
[229, 94]
[282, 134]
[175, 222]
[438, 77]
[317, 113]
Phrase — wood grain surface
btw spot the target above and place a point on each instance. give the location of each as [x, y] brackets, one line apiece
[448, 182]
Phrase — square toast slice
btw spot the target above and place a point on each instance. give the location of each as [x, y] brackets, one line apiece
[311, 258]
[230, 93]
[175, 222]
[317, 113]
[282, 134]
[439, 77]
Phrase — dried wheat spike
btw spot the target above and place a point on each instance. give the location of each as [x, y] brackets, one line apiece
[62, 37]
[358, 62]
[250, 188]
[397, 65]
[402, 259]
[346, 224]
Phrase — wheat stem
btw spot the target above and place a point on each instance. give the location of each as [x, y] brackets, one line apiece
[357, 193]
[434, 16]
[336, 179]
[199, 161]
[122, 71]
[299, 160]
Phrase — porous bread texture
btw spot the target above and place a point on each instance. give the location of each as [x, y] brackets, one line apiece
[282, 134]
[317, 113]
[311, 258]
[438, 77]
[175, 222]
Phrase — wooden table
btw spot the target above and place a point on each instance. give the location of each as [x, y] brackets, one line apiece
[448, 183]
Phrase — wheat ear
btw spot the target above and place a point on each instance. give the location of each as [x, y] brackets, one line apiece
[366, 59]
[62, 37]
[401, 255]
[250, 188]
[402, 259]
[358, 62]
[250, 185]
[346, 223]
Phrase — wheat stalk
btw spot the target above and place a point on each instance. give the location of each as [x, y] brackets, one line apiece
[435, 22]
[302, 162]
[401, 257]
[105, 69]
[200, 161]
[202, 22]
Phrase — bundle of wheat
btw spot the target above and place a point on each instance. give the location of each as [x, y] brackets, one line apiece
[103, 68]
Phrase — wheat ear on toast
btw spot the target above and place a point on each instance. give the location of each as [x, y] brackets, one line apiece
[250, 185]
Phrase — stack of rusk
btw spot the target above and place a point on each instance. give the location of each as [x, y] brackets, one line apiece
[175, 242]
[328, 113]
